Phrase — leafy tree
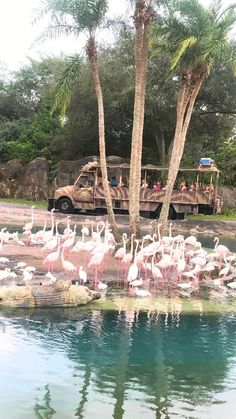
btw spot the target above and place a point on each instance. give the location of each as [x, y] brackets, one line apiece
[197, 38]
[86, 16]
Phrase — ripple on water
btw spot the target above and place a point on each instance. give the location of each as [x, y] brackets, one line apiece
[103, 364]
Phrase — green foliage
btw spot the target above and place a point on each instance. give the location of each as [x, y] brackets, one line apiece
[196, 35]
[73, 16]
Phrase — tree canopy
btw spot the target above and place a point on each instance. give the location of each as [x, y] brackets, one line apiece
[29, 129]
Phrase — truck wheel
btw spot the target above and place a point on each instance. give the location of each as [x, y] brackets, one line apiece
[171, 215]
[65, 205]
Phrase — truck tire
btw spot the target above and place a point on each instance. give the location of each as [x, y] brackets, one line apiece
[171, 216]
[65, 205]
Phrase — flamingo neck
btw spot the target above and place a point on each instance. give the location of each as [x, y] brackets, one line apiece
[217, 242]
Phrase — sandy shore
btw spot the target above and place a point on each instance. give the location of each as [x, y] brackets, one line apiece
[18, 215]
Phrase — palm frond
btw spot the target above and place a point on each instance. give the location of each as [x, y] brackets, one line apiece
[183, 46]
[65, 85]
[54, 32]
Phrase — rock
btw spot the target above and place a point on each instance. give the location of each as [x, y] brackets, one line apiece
[33, 182]
[59, 294]
[5, 189]
[68, 171]
[229, 196]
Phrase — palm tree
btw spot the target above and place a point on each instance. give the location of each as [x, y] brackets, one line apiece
[143, 16]
[75, 17]
[198, 38]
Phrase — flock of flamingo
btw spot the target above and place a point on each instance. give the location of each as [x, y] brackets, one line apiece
[143, 265]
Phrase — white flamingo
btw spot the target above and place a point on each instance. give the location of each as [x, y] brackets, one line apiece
[28, 226]
[82, 275]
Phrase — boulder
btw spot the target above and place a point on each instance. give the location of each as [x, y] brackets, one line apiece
[33, 182]
[68, 171]
[229, 196]
[59, 294]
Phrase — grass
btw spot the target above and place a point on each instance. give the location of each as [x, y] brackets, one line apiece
[216, 217]
[26, 202]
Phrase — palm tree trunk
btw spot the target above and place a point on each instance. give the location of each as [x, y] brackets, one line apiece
[185, 107]
[133, 204]
[142, 112]
[143, 17]
[92, 54]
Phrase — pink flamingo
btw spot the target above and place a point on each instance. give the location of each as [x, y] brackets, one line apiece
[127, 259]
[121, 252]
[221, 250]
[51, 259]
[96, 262]
[156, 273]
[67, 265]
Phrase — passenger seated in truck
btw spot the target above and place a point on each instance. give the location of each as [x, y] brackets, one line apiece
[192, 188]
[114, 181]
[157, 186]
[144, 184]
[183, 186]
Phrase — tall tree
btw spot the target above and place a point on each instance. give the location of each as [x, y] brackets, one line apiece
[198, 38]
[73, 17]
[142, 18]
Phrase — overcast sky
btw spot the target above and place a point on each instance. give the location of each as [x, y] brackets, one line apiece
[17, 33]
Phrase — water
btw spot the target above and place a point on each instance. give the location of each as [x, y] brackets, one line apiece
[104, 364]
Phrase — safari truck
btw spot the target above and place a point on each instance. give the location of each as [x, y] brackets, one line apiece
[87, 193]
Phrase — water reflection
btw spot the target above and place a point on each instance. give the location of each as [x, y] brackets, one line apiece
[104, 364]
[44, 411]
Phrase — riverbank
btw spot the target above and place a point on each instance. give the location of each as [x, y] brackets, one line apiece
[17, 215]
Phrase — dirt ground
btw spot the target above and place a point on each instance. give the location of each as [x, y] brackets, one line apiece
[18, 215]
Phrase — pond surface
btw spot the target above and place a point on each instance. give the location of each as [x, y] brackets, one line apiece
[87, 363]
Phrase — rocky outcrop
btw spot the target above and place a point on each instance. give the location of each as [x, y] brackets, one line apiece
[33, 182]
[229, 196]
[59, 294]
[68, 171]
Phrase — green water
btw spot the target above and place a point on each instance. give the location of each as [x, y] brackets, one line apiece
[86, 363]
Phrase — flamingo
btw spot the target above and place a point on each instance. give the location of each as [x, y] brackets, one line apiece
[223, 272]
[96, 235]
[121, 252]
[133, 269]
[156, 273]
[191, 241]
[221, 250]
[39, 234]
[51, 259]
[96, 262]
[101, 286]
[142, 293]
[67, 230]
[28, 226]
[4, 274]
[136, 283]
[67, 265]
[127, 259]
[48, 234]
[27, 276]
[70, 241]
[20, 265]
[232, 285]
[82, 275]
